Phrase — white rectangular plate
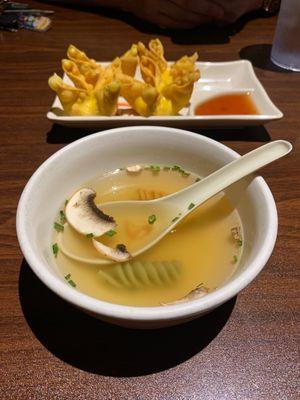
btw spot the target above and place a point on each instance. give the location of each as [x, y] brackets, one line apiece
[216, 78]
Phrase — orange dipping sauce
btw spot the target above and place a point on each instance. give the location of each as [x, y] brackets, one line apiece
[228, 104]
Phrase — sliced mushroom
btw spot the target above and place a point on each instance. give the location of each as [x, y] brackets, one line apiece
[119, 254]
[134, 169]
[236, 233]
[196, 293]
[84, 216]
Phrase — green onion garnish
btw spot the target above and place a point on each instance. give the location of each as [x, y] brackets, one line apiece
[175, 219]
[239, 242]
[110, 233]
[66, 202]
[152, 219]
[197, 180]
[176, 168]
[89, 235]
[192, 205]
[234, 259]
[155, 168]
[55, 249]
[62, 216]
[69, 280]
[184, 173]
[58, 227]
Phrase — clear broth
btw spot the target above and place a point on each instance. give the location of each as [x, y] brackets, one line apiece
[200, 250]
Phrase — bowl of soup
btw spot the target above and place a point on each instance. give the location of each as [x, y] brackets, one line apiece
[203, 262]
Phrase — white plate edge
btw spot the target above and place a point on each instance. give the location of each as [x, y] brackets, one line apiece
[261, 117]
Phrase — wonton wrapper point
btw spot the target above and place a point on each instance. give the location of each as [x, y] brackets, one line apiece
[164, 91]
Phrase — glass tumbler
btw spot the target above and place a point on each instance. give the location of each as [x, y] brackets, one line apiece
[286, 45]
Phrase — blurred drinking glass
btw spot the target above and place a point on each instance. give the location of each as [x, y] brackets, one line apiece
[286, 45]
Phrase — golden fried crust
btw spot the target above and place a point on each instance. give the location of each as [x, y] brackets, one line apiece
[165, 90]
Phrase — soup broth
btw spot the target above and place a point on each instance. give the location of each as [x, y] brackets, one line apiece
[199, 251]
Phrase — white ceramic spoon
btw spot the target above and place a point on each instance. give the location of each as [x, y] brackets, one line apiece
[182, 203]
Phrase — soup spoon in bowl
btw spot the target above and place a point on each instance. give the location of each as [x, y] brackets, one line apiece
[166, 212]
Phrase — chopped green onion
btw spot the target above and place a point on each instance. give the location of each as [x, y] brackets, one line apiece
[155, 168]
[69, 280]
[184, 173]
[58, 227]
[89, 235]
[152, 219]
[234, 259]
[192, 205]
[66, 202]
[176, 168]
[175, 219]
[197, 180]
[55, 249]
[62, 216]
[110, 233]
[239, 242]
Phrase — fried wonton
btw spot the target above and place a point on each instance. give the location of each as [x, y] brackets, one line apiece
[87, 66]
[129, 61]
[139, 95]
[77, 101]
[165, 90]
[152, 61]
[174, 84]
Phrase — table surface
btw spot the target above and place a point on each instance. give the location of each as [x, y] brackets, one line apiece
[247, 348]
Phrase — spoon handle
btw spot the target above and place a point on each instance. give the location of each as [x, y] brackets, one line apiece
[230, 173]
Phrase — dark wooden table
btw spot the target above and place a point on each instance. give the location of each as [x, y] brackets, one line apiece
[246, 349]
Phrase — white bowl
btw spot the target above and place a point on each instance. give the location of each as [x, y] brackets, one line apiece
[102, 152]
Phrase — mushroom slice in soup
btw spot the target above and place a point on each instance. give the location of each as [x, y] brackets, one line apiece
[119, 253]
[194, 294]
[134, 169]
[236, 233]
[85, 217]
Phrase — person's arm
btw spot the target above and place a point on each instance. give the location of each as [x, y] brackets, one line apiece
[178, 14]
[175, 14]
[234, 9]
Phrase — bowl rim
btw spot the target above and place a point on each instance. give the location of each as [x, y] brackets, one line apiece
[122, 312]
